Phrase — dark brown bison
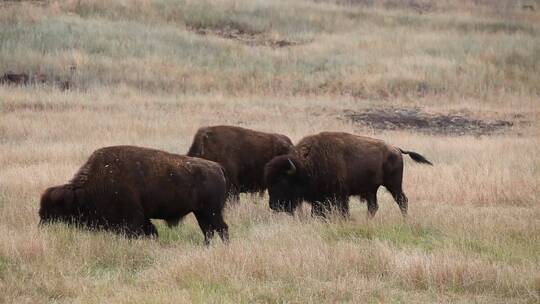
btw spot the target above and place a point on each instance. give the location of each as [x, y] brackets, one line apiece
[121, 188]
[242, 152]
[327, 168]
[14, 78]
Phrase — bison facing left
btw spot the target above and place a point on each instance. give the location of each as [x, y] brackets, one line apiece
[121, 188]
[325, 169]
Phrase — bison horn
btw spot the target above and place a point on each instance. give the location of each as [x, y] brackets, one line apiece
[292, 169]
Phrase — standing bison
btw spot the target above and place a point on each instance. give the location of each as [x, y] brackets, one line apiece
[327, 168]
[242, 152]
[121, 188]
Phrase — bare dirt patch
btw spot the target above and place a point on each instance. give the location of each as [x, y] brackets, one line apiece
[242, 35]
[415, 119]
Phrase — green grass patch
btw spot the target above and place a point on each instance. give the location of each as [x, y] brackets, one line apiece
[128, 261]
[400, 235]
[506, 249]
[186, 233]
[279, 291]
[208, 290]
[7, 267]
[494, 27]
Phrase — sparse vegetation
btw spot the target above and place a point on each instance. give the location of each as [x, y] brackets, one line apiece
[146, 75]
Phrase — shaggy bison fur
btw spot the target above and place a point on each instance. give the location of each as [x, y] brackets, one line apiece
[242, 152]
[327, 168]
[121, 188]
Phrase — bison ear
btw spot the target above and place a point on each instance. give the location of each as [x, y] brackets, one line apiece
[292, 167]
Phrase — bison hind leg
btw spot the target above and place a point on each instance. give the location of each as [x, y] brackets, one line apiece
[403, 202]
[210, 222]
[320, 208]
[401, 199]
[150, 229]
[342, 206]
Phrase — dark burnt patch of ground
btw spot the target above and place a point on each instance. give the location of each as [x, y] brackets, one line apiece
[11, 78]
[414, 119]
[18, 107]
[34, 107]
[420, 6]
[242, 34]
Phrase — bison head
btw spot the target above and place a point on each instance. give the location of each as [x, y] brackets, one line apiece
[57, 204]
[286, 183]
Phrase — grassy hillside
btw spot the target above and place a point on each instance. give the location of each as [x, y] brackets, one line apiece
[357, 51]
[150, 73]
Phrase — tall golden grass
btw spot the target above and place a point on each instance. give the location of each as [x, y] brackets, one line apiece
[143, 78]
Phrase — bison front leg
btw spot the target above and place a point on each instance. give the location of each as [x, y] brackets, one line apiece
[150, 229]
[128, 215]
[138, 226]
[342, 206]
[319, 209]
[400, 197]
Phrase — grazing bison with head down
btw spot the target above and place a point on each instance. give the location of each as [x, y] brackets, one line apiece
[121, 188]
[325, 169]
[242, 152]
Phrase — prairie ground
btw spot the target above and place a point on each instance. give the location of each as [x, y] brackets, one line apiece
[150, 73]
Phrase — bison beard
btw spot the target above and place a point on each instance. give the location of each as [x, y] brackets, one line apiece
[327, 168]
[121, 188]
[242, 152]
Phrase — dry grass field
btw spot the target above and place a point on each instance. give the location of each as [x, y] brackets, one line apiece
[150, 73]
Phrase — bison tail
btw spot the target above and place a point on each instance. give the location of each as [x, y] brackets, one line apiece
[416, 157]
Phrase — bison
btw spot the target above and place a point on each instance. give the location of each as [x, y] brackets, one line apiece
[121, 188]
[242, 152]
[327, 168]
